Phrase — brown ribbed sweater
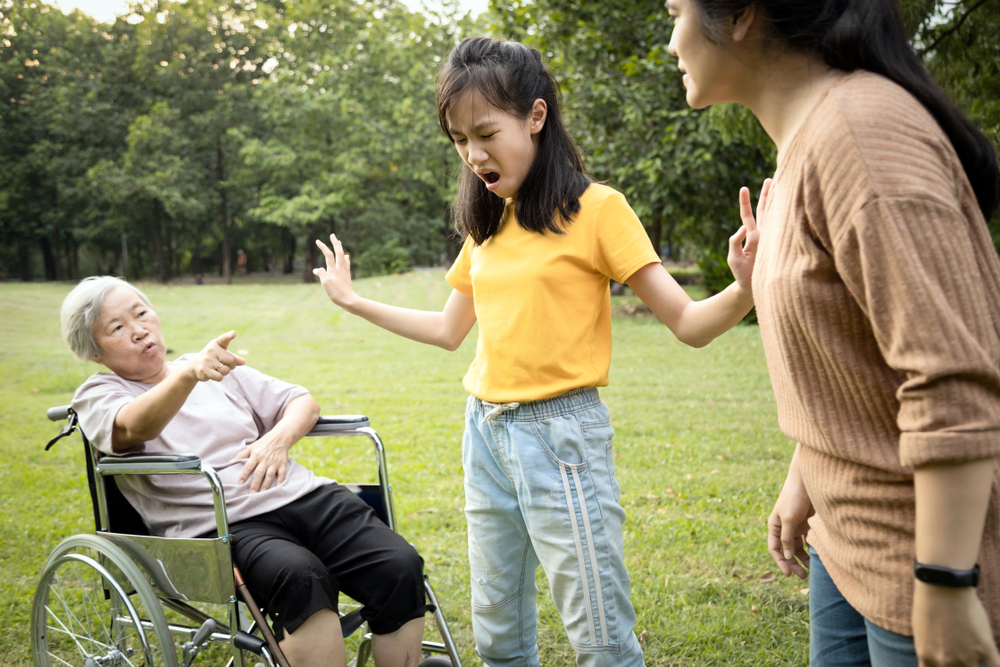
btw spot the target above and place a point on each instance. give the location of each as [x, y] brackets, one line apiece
[878, 293]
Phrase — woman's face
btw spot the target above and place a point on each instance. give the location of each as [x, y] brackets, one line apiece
[498, 147]
[128, 335]
[710, 71]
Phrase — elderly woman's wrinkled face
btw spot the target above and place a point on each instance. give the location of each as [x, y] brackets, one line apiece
[128, 335]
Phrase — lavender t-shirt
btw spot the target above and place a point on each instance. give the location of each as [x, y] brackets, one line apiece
[216, 422]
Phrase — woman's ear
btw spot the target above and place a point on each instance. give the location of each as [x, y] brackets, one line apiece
[742, 23]
[539, 112]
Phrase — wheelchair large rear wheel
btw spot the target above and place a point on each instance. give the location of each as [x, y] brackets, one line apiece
[94, 608]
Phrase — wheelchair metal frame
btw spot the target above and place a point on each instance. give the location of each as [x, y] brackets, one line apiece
[181, 571]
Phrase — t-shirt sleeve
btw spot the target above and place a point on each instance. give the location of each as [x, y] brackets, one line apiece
[911, 265]
[267, 396]
[96, 404]
[622, 246]
[459, 275]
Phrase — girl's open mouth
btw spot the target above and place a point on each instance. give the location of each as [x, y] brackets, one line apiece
[491, 178]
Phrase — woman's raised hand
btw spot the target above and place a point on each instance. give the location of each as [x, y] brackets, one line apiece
[215, 361]
[743, 244]
[336, 277]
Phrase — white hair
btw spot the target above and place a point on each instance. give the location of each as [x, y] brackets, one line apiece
[82, 308]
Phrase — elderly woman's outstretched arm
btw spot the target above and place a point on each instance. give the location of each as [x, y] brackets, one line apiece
[145, 417]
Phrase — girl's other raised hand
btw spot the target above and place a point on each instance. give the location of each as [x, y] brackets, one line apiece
[336, 277]
[743, 244]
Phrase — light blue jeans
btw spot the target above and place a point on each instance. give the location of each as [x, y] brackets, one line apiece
[841, 637]
[540, 489]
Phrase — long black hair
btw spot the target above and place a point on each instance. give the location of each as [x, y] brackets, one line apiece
[510, 77]
[869, 35]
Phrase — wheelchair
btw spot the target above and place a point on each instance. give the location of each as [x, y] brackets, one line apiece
[120, 597]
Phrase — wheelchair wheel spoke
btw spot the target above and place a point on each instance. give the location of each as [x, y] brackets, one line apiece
[79, 629]
[83, 588]
[68, 632]
[53, 655]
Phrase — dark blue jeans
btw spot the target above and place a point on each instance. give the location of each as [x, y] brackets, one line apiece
[841, 637]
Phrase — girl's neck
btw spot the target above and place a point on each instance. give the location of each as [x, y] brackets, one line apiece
[784, 91]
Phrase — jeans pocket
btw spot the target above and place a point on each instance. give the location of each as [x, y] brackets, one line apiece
[563, 440]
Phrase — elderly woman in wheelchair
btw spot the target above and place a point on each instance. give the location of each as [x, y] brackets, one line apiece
[298, 539]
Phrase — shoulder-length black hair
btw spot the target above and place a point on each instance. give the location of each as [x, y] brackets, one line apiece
[510, 77]
[869, 35]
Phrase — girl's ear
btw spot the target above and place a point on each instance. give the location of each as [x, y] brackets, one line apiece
[742, 23]
[539, 112]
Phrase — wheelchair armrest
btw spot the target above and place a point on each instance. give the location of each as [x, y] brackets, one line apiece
[154, 463]
[331, 424]
[148, 461]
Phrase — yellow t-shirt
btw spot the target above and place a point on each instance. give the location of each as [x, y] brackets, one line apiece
[542, 300]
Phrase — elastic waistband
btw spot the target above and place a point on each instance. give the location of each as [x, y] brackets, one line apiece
[575, 400]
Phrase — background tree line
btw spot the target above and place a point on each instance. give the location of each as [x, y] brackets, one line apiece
[164, 142]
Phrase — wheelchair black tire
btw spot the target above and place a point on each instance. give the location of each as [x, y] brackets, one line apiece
[94, 606]
[436, 661]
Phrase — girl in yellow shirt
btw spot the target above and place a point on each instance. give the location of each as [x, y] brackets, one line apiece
[541, 244]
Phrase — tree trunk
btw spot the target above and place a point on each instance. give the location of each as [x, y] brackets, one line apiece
[49, 257]
[288, 248]
[227, 272]
[24, 259]
[171, 238]
[140, 266]
[196, 257]
[161, 263]
[655, 232]
[73, 260]
[311, 251]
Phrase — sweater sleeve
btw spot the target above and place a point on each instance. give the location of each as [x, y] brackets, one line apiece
[911, 265]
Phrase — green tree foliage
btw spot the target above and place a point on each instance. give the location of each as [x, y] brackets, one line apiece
[159, 144]
[65, 82]
[355, 147]
[960, 43]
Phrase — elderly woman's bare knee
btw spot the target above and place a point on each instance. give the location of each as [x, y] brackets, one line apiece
[316, 643]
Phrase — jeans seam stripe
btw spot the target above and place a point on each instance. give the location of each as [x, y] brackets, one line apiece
[520, 597]
[579, 552]
[593, 557]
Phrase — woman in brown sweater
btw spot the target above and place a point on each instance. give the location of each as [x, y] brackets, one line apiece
[877, 288]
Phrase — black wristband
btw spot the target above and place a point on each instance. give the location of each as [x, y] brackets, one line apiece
[937, 575]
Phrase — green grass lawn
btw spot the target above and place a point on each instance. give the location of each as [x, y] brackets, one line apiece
[698, 455]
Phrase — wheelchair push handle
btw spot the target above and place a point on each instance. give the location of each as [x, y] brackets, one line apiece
[58, 413]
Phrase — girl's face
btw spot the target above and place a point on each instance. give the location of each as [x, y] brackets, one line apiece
[497, 147]
[710, 71]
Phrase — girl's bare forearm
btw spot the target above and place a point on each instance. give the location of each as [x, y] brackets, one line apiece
[702, 321]
[446, 329]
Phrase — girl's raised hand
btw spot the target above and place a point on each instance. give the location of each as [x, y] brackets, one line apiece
[336, 277]
[743, 244]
